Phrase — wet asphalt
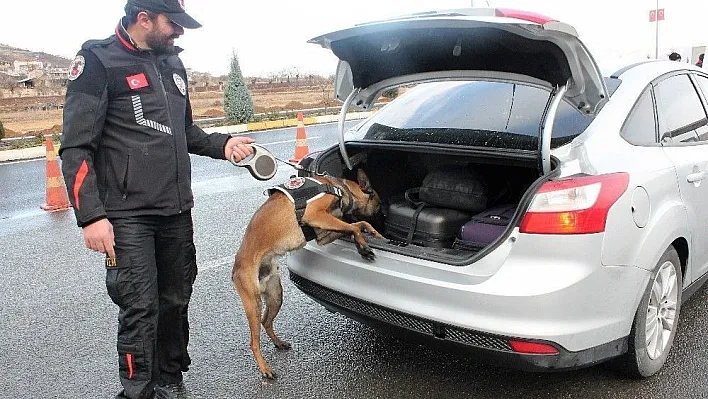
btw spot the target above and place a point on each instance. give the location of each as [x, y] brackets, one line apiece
[58, 326]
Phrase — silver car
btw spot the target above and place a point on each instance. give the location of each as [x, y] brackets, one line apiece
[606, 236]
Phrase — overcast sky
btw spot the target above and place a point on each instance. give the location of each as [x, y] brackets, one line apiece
[271, 35]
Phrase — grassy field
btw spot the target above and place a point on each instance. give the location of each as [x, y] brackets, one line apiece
[26, 116]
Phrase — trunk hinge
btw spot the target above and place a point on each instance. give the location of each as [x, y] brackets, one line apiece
[340, 127]
[545, 131]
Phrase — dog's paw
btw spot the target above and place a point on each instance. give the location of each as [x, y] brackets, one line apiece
[283, 345]
[269, 374]
[367, 253]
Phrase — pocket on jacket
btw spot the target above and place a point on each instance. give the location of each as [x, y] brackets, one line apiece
[126, 178]
[117, 177]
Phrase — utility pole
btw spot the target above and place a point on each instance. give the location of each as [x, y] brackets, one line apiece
[656, 44]
[655, 16]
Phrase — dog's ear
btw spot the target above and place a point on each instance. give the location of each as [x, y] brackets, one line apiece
[363, 181]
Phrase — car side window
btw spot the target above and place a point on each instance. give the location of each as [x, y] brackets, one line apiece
[679, 110]
[703, 84]
[640, 126]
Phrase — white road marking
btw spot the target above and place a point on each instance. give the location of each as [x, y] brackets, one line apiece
[25, 160]
[214, 263]
[33, 213]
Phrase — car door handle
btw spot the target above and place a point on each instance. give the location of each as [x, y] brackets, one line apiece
[695, 177]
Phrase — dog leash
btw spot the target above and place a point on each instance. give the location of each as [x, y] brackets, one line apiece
[262, 164]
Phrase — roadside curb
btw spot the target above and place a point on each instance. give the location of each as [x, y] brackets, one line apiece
[23, 153]
[41, 152]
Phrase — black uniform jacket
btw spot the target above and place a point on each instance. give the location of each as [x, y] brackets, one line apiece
[128, 132]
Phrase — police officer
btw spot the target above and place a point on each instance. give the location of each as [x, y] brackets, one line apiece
[127, 135]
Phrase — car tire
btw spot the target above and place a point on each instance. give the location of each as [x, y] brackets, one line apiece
[659, 309]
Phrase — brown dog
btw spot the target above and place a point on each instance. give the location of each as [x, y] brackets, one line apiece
[274, 230]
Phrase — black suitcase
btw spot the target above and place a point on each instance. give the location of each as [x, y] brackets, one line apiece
[434, 227]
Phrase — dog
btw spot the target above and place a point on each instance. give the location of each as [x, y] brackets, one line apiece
[275, 230]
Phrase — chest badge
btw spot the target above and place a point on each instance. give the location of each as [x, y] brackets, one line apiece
[137, 81]
[295, 183]
[179, 82]
[77, 67]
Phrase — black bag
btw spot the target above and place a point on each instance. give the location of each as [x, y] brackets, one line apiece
[423, 225]
[431, 215]
[455, 187]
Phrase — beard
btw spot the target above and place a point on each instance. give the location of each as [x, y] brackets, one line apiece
[160, 43]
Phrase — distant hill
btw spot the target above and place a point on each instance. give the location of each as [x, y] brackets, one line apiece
[11, 54]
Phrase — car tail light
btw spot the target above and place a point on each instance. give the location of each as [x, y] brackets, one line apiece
[536, 348]
[523, 15]
[577, 205]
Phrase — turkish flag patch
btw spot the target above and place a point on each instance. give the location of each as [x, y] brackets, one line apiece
[137, 81]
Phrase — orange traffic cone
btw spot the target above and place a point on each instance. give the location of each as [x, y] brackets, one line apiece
[301, 148]
[57, 199]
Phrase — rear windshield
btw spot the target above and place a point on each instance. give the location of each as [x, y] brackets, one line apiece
[480, 114]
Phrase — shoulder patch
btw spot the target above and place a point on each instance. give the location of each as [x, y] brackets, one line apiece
[77, 67]
[179, 82]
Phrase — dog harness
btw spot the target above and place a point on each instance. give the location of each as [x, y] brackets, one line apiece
[301, 191]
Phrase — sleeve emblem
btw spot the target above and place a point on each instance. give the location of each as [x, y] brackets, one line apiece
[77, 67]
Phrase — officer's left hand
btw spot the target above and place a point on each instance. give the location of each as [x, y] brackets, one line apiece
[238, 147]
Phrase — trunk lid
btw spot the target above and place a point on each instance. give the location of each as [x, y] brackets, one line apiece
[482, 42]
[476, 43]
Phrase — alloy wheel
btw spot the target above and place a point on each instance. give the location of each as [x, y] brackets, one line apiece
[661, 312]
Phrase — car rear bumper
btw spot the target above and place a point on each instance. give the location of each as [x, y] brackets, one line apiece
[527, 290]
[491, 348]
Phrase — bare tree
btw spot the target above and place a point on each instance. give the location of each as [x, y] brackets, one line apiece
[8, 82]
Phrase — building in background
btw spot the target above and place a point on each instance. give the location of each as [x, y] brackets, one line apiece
[24, 67]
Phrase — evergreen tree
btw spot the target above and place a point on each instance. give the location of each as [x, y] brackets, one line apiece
[238, 105]
[2, 131]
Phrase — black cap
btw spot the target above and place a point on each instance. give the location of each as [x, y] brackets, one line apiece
[173, 9]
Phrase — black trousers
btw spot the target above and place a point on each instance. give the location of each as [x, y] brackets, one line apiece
[151, 282]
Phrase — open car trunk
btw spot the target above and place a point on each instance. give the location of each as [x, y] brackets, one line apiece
[449, 230]
[456, 161]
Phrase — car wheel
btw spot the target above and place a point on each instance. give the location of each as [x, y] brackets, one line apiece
[656, 319]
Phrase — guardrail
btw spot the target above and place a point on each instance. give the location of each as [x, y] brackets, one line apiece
[18, 138]
[335, 110]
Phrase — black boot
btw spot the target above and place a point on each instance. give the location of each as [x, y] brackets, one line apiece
[172, 391]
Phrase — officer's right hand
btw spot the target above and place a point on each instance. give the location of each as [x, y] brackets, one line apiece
[98, 236]
[238, 148]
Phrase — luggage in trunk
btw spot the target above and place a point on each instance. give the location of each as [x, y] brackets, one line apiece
[431, 215]
[394, 171]
[485, 227]
[430, 226]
